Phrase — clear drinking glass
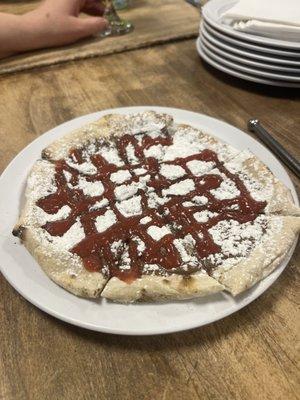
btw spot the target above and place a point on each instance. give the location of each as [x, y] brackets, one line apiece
[117, 26]
[121, 4]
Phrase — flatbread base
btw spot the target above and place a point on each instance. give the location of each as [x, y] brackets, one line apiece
[157, 288]
[67, 269]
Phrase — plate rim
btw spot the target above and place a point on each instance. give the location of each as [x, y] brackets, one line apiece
[173, 328]
[235, 57]
[251, 71]
[207, 12]
[242, 75]
[249, 46]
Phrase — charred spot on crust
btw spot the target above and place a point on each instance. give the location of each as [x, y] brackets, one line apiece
[45, 155]
[144, 296]
[166, 281]
[164, 130]
[187, 280]
[19, 231]
[97, 292]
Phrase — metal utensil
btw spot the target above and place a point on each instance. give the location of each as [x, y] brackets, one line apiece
[196, 3]
[291, 162]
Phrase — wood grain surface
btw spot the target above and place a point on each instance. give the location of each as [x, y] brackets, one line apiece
[155, 21]
[251, 355]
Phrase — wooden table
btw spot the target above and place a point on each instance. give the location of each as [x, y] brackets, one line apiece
[249, 355]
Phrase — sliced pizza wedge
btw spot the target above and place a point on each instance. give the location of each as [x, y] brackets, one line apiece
[251, 251]
[52, 252]
[236, 254]
[262, 184]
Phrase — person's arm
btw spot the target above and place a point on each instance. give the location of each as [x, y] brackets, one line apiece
[52, 23]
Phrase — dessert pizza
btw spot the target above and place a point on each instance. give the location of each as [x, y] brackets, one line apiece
[137, 207]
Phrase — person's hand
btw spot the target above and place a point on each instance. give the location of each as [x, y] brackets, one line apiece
[52, 23]
[58, 20]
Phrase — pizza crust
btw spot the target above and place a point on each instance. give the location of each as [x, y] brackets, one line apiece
[262, 184]
[105, 127]
[63, 268]
[158, 288]
[60, 148]
[224, 150]
[273, 248]
[39, 179]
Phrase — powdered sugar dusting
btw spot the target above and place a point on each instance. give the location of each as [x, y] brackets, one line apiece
[155, 151]
[41, 183]
[125, 260]
[151, 269]
[196, 201]
[148, 122]
[204, 216]
[184, 144]
[154, 200]
[67, 175]
[157, 232]
[42, 217]
[170, 171]
[227, 190]
[116, 246]
[132, 159]
[185, 248]
[237, 239]
[73, 236]
[258, 180]
[120, 176]
[180, 188]
[100, 204]
[140, 245]
[139, 171]
[90, 188]
[200, 200]
[130, 207]
[123, 192]
[200, 167]
[145, 220]
[87, 168]
[110, 154]
[105, 221]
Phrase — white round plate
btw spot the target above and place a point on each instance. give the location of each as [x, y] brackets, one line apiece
[218, 40]
[291, 57]
[212, 12]
[242, 75]
[24, 274]
[244, 60]
[295, 78]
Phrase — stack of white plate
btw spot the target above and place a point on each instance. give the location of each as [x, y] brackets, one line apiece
[251, 57]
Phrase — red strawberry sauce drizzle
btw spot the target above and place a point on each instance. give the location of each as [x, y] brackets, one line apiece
[95, 249]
